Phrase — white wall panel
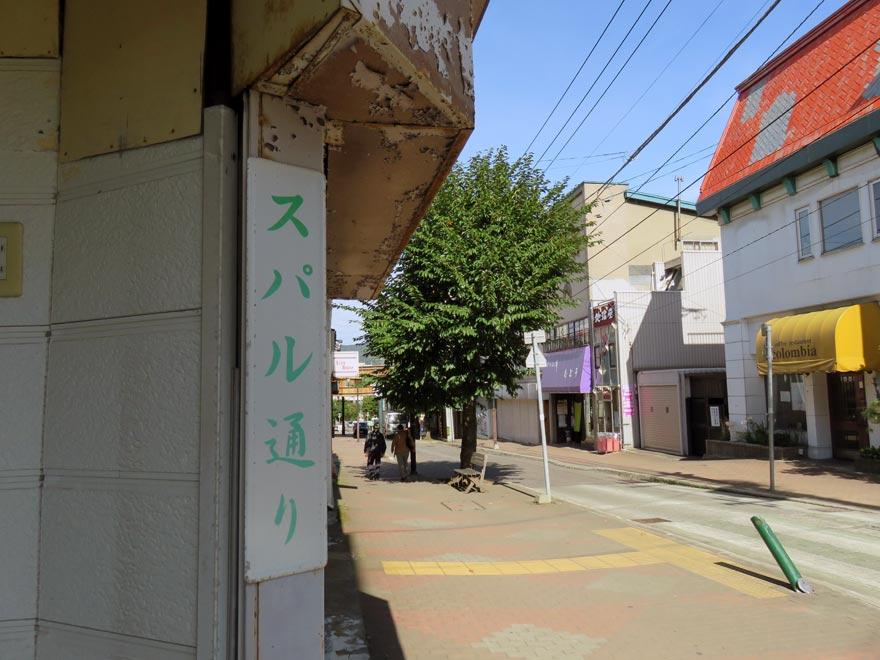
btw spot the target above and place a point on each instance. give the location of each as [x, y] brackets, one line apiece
[518, 420]
[22, 379]
[767, 279]
[71, 643]
[119, 555]
[19, 511]
[120, 517]
[17, 639]
[124, 395]
[128, 240]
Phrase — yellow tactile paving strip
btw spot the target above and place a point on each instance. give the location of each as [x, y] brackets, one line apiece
[649, 549]
[690, 559]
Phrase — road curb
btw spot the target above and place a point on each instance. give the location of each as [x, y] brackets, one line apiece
[659, 477]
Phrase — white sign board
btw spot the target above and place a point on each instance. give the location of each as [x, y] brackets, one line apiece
[715, 415]
[286, 379]
[538, 335]
[345, 364]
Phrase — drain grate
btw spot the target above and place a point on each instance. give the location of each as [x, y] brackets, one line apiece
[650, 521]
[463, 506]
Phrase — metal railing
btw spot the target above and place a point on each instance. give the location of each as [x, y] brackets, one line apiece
[578, 339]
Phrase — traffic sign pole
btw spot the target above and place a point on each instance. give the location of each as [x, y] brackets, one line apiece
[545, 497]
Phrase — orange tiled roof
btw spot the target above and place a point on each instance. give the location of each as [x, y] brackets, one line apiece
[826, 80]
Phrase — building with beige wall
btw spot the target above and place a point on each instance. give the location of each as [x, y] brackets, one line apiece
[652, 288]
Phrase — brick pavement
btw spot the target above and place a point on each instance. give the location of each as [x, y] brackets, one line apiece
[674, 602]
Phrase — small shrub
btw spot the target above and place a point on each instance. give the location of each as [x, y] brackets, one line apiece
[756, 433]
[870, 452]
[872, 412]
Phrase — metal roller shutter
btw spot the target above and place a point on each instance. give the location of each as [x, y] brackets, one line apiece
[660, 418]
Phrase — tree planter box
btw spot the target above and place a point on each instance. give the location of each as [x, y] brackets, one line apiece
[728, 449]
[869, 465]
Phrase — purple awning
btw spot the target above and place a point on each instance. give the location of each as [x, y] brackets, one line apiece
[567, 371]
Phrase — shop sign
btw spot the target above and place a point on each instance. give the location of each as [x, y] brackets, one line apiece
[627, 402]
[286, 373]
[345, 364]
[604, 314]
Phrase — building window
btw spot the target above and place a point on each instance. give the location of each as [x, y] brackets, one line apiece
[841, 220]
[805, 246]
[875, 197]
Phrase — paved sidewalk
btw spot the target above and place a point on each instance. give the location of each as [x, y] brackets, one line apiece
[492, 575]
[832, 480]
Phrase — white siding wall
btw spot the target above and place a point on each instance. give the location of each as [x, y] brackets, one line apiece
[120, 507]
[765, 279]
[518, 421]
[29, 93]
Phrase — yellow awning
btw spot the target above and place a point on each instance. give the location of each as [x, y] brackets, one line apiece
[842, 339]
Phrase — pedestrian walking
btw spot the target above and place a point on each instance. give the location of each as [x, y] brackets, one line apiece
[400, 448]
[374, 449]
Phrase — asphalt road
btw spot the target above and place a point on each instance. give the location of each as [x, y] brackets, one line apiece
[833, 547]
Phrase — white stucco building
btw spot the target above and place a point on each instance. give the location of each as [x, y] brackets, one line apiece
[796, 182]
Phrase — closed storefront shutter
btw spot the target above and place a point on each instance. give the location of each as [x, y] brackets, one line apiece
[660, 418]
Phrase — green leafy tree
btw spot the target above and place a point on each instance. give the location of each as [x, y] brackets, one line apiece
[370, 407]
[485, 265]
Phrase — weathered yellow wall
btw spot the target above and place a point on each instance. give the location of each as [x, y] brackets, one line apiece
[131, 74]
[264, 31]
[28, 28]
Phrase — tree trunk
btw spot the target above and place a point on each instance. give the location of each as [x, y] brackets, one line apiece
[468, 433]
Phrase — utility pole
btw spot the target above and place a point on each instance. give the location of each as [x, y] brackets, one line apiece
[493, 403]
[676, 229]
[767, 331]
[594, 420]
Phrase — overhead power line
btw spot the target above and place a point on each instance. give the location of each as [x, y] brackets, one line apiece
[693, 93]
[635, 104]
[841, 231]
[712, 116]
[694, 219]
[577, 73]
[596, 79]
[613, 80]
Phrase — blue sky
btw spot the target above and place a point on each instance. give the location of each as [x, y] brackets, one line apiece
[526, 53]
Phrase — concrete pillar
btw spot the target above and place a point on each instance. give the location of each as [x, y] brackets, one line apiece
[284, 615]
[450, 425]
[818, 415]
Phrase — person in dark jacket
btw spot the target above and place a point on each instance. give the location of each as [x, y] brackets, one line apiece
[374, 449]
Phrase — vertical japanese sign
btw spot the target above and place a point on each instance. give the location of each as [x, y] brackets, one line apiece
[627, 401]
[286, 380]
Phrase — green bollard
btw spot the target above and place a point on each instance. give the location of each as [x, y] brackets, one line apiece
[797, 582]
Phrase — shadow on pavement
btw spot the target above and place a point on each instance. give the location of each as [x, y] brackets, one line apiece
[380, 622]
[754, 574]
[345, 606]
[843, 469]
[437, 471]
